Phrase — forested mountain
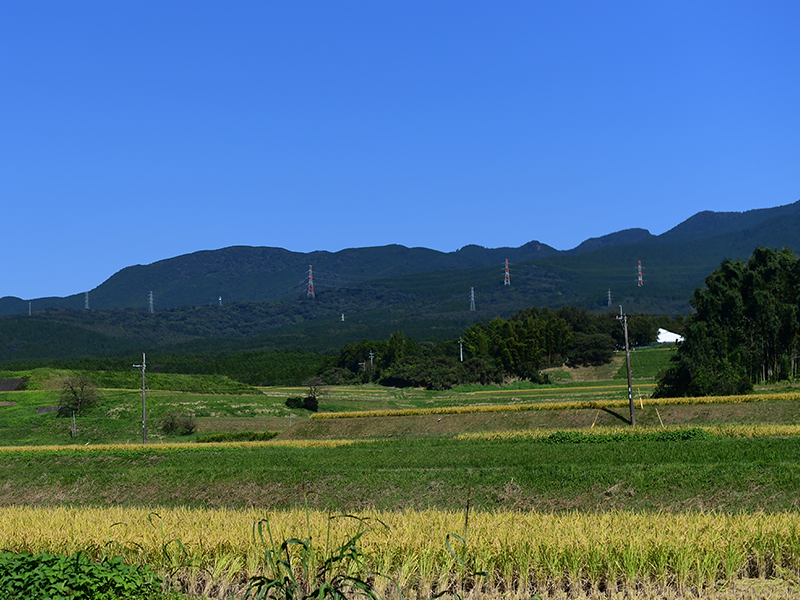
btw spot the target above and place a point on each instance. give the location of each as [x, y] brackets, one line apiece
[421, 292]
[248, 274]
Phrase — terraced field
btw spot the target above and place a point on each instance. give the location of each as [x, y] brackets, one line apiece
[485, 492]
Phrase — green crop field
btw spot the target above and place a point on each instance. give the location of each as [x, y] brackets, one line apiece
[663, 470]
[561, 455]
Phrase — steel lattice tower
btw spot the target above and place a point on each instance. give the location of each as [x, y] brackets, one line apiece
[310, 292]
[472, 298]
[507, 276]
[640, 282]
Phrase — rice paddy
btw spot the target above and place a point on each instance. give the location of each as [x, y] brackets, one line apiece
[520, 553]
[486, 492]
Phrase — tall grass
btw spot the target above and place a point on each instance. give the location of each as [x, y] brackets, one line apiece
[520, 552]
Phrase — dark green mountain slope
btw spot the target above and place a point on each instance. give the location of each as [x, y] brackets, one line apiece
[266, 274]
[423, 293]
[244, 273]
[711, 224]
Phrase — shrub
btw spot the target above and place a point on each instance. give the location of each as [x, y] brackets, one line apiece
[56, 576]
[309, 403]
[174, 423]
[295, 402]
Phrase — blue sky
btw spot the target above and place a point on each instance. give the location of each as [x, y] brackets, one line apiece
[137, 131]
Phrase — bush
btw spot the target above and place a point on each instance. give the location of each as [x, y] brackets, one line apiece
[295, 402]
[56, 576]
[177, 424]
[309, 403]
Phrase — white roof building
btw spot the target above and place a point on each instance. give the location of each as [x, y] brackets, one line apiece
[667, 337]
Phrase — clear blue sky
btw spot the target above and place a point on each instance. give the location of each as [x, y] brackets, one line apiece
[136, 131]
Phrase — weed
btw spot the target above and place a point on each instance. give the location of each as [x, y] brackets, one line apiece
[339, 576]
[75, 577]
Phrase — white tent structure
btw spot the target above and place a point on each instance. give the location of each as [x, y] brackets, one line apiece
[667, 337]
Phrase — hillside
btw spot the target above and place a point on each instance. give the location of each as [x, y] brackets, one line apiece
[422, 292]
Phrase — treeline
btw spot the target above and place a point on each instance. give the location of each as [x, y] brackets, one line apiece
[516, 348]
[745, 329]
[519, 347]
[269, 367]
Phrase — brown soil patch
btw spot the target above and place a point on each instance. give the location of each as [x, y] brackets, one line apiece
[449, 425]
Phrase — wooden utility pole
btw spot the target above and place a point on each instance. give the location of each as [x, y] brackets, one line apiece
[624, 318]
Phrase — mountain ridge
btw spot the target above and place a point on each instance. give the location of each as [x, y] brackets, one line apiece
[263, 273]
[374, 292]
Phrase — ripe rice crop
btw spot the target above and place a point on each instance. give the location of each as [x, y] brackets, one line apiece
[213, 552]
[732, 431]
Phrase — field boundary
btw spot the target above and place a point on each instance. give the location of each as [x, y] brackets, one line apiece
[569, 405]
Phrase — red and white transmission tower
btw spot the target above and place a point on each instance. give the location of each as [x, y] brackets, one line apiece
[310, 293]
[641, 283]
[507, 276]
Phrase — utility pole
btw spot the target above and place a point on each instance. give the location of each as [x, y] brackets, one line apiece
[624, 318]
[143, 366]
[461, 349]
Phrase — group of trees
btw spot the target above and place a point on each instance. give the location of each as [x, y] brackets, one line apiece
[745, 328]
[519, 347]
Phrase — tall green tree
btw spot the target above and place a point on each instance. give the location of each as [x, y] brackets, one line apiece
[745, 328]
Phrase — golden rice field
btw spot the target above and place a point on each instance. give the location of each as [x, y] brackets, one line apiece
[733, 431]
[576, 555]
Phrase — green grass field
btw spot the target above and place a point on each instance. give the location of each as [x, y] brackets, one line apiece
[415, 460]
[649, 473]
